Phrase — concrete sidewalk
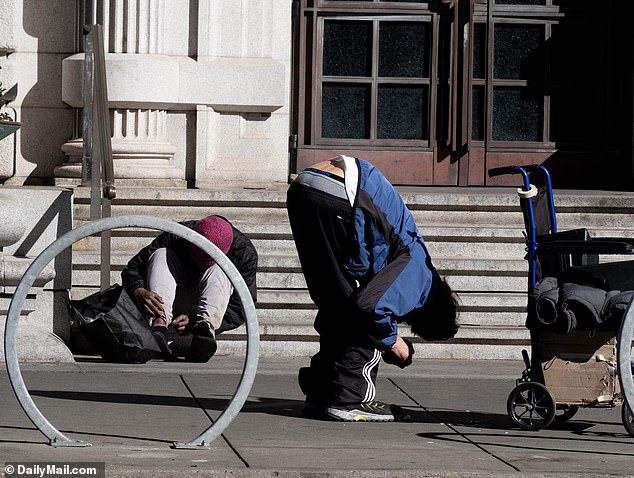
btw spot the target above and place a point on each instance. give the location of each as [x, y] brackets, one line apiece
[132, 414]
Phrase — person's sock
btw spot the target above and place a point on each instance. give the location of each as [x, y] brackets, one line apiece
[160, 335]
[160, 329]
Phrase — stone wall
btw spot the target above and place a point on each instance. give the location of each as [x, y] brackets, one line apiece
[199, 96]
[198, 90]
[32, 218]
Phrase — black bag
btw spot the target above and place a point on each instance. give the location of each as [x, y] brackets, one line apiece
[114, 326]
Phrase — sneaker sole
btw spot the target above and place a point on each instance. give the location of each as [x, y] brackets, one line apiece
[357, 416]
[166, 351]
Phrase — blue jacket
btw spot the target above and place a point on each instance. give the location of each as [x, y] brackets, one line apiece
[389, 258]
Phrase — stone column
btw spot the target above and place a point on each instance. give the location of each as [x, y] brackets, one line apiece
[142, 152]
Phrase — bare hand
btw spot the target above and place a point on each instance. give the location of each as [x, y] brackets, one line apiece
[400, 354]
[150, 302]
[400, 349]
[180, 323]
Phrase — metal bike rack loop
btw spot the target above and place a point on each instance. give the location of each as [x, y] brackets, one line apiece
[624, 351]
[56, 438]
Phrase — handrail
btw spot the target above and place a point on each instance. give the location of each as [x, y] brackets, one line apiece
[98, 167]
[103, 120]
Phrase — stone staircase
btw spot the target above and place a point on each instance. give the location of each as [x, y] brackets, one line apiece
[474, 236]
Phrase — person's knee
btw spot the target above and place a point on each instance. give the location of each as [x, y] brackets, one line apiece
[214, 277]
[158, 257]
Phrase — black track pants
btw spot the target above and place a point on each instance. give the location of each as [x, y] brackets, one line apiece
[345, 368]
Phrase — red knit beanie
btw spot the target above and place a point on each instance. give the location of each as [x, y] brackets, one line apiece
[218, 231]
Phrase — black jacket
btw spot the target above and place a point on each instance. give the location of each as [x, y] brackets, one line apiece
[242, 254]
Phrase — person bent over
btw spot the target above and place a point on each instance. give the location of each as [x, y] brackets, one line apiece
[367, 270]
[178, 285]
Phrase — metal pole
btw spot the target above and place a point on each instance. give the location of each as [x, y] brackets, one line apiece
[87, 110]
[90, 12]
[106, 242]
[103, 157]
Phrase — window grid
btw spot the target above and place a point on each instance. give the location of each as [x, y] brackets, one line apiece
[418, 86]
[557, 92]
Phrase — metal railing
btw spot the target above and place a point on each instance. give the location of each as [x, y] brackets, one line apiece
[97, 163]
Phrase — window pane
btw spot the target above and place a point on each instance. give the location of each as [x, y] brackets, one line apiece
[477, 113]
[402, 112]
[518, 114]
[479, 50]
[404, 49]
[518, 52]
[345, 111]
[347, 48]
[572, 47]
[574, 116]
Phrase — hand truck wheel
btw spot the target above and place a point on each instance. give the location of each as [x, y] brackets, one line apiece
[531, 406]
[564, 414]
[628, 419]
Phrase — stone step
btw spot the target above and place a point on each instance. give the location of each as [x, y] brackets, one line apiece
[293, 317]
[269, 219]
[303, 348]
[286, 262]
[479, 206]
[469, 342]
[436, 198]
[299, 299]
[282, 230]
[491, 281]
[290, 300]
[463, 248]
[475, 236]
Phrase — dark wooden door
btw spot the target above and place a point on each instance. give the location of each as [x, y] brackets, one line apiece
[436, 93]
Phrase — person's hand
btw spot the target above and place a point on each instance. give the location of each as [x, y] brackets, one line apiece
[150, 302]
[180, 323]
[400, 354]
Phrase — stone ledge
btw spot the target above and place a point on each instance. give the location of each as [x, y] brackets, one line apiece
[249, 85]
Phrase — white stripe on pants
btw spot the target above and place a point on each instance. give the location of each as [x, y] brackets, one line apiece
[370, 392]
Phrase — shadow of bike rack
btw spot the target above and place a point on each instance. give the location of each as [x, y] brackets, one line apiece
[56, 438]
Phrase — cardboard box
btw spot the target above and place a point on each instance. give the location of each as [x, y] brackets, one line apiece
[580, 367]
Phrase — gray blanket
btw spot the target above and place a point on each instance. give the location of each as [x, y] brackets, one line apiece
[566, 307]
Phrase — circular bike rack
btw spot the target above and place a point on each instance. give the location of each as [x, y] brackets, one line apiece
[624, 347]
[56, 438]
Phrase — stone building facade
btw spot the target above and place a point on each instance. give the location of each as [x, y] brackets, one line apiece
[198, 90]
[198, 96]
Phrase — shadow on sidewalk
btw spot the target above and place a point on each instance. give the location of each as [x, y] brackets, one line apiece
[286, 407]
[539, 442]
[274, 406]
[472, 425]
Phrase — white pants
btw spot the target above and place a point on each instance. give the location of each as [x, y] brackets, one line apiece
[200, 293]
